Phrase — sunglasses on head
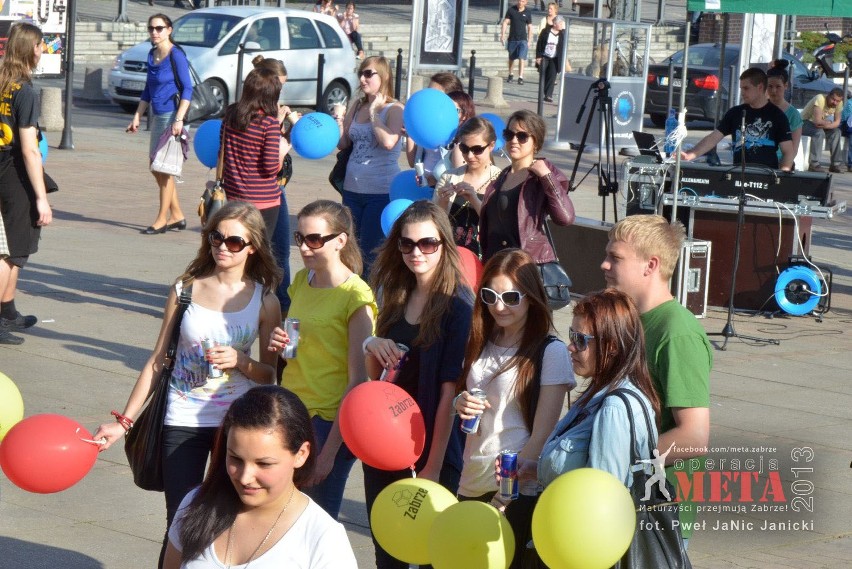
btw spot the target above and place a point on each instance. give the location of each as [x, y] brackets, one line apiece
[427, 245]
[158, 29]
[579, 340]
[522, 136]
[367, 73]
[313, 240]
[234, 243]
[477, 150]
[507, 297]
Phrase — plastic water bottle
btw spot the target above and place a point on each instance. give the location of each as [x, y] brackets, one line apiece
[671, 125]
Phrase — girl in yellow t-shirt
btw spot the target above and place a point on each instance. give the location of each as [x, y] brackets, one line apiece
[336, 310]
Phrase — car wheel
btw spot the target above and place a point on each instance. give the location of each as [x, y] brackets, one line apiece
[221, 94]
[658, 120]
[128, 107]
[336, 92]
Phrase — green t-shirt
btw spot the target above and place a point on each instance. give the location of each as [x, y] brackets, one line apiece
[679, 358]
[320, 371]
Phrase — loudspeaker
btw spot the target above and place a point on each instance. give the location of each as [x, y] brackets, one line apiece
[581, 248]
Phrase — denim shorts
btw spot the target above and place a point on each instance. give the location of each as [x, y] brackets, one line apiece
[517, 49]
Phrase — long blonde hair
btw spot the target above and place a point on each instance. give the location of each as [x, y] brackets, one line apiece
[382, 66]
[18, 63]
[339, 220]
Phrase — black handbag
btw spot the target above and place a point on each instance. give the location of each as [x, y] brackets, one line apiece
[203, 103]
[143, 444]
[657, 541]
[338, 173]
[557, 283]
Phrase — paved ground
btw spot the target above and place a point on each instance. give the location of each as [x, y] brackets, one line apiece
[98, 287]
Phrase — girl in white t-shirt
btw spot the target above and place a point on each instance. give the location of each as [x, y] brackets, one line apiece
[524, 372]
[249, 510]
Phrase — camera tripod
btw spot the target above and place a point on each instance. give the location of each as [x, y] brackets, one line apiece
[606, 167]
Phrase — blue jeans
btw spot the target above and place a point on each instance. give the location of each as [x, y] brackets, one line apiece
[367, 213]
[329, 493]
[281, 247]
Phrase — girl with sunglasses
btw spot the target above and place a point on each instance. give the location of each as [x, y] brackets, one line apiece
[336, 310]
[517, 204]
[426, 307]
[525, 374]
[372, 127]
[232, 279]
[460, 191]
[168, 111]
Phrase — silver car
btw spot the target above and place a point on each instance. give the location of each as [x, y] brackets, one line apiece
[211, 38]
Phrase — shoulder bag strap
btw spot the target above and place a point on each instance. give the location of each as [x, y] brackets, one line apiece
[220, 163]
[634, 450]
[176, 76]
[549, 236]
[652, 439]
[183, 303]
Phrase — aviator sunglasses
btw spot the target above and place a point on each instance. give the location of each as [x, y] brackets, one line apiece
[367, 73]
[234, 243]
[158, 29]
[477, 150]
[507, 297]
[313, 240]
[579, 340]
[427, 245]
[522, 136]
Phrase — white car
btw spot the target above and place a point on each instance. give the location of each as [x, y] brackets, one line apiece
[211, 38]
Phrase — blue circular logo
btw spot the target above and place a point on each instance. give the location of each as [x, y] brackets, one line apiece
[624, 108]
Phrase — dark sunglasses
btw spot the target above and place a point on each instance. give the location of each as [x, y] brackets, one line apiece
[522, 136]
[368, 73]
[507, 297]
[477, 150]
[234, 243]
[313, 240]
[158, 29]
[579, 340]
[427, 245]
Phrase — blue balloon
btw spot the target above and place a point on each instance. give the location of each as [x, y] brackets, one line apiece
[404, 187]
[430, 118]
[206, 142]
[42, 146]
[392, 212]
[315, 136]
[499, 126]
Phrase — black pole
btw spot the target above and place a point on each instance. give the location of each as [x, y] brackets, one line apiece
[320, 72]
[671, 85]
[540, 106]
[67, 142]
[397, 80]
[122, 12]
[471, 72]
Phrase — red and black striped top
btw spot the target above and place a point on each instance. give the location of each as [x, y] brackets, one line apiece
[252, 163]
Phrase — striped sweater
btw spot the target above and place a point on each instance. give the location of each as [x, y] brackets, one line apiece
[252, 163]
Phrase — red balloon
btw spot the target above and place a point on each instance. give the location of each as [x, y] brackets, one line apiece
[471, 268]
[47, 453]
[382, 425]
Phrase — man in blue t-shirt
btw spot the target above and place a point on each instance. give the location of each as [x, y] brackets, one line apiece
[519, 22]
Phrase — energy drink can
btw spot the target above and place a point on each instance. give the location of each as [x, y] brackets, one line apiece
[470, 426]
[509, 474]
[420, 175]
[212, 371]
[391, 374]
[291, 327]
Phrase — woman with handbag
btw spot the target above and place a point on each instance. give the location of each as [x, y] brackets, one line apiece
[460, 191]
[168, 111]
[372, 128]
[336, 310]
[24, 208]
[425, 306]
[263, 454]
[524, 374]
[516, 205]
[232, 277]
[255, 146]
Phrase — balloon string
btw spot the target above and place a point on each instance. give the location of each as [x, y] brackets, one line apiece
[99, 442]
[413, 472]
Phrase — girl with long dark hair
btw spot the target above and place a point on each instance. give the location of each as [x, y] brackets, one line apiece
[250, 509]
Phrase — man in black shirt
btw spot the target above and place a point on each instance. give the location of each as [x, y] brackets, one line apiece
[766, 127]
[519, 22]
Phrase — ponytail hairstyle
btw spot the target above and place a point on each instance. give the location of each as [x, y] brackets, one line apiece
[778, 68]
[18, 63]
[275, 65]
[339, 219]
[259, 97]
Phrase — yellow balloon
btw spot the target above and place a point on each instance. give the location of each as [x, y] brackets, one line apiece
[584, 519]
[11, 405]
[402, 516]
[472, 535]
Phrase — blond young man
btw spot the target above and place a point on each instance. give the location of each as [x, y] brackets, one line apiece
[821, 118]
[640, 258]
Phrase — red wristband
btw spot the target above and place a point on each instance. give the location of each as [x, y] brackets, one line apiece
[124, 421]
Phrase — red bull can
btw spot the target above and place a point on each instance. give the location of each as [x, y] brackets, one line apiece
[390, 374]
[471, 426]
[509, 474]
[212, 371]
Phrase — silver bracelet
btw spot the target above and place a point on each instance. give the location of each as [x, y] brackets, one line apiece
[365, 342]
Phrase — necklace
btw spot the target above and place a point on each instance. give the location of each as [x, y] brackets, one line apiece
[265, 539]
